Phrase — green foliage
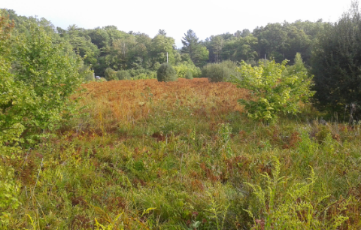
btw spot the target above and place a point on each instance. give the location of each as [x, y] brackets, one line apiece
[196, 51]
[183, 162]
[224, 134]
[219, 72]
[158, 158]
[299, 209]
[275, 88]
[189, 75]
[9, 191]
[336, 63]
[87, 73]
[160, 46]
[123, 75]
[184, 69]
[110, 74]
[10, 94]
[166, 73]
[35, 91]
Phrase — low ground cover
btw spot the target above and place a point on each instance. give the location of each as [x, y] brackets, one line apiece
[181, 155]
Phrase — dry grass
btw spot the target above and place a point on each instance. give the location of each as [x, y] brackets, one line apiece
[130, 101]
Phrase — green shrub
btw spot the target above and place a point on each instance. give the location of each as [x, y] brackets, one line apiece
[189, 75]
[110, 74]
[219, 72]
[144, 76]
[166, 73]
[123, 75]
[275, 88]
[184, 68]
[156, 66]
[35, 90]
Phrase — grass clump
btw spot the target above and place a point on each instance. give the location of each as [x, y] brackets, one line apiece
[166, 73]
[300, 208]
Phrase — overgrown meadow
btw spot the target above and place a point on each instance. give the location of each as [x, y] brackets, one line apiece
[182, 155]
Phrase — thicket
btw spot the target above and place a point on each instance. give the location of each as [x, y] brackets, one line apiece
[184, 68]
[166, 73]
[110, 74]
[37, 77]
[275, 88]
[123, 75]
[336, 63]
[220, 72]
[189, 75]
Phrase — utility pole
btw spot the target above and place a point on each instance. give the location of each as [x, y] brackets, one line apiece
[167, 57]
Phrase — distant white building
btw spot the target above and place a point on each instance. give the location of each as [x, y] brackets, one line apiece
[97, 78]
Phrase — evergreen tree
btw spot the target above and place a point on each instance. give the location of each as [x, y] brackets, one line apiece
[336, 62]
[196, 51]
[190, 43]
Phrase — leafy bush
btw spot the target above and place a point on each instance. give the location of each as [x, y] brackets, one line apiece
[184, 68]
[166, 73]
[189, 75]
[144, 76]
[219, 72]
[275, 88]
[37, 78]
[123, 75]
[110, 74]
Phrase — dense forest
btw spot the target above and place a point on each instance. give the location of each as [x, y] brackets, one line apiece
[109, 49]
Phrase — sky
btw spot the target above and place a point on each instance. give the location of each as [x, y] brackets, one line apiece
[204, 17]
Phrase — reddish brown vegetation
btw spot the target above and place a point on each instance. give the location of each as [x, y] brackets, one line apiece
[128, 101]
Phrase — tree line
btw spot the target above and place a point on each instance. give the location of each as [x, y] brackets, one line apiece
[108, 47]
[330, 51]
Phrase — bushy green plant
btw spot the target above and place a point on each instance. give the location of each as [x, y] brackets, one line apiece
[185, 68]
[166, 73]
[123, 75]
[275, 88]
[189, 75]
[37, 78]
[11, 93]
[219, 72]
[144, 76]
[110, 74]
